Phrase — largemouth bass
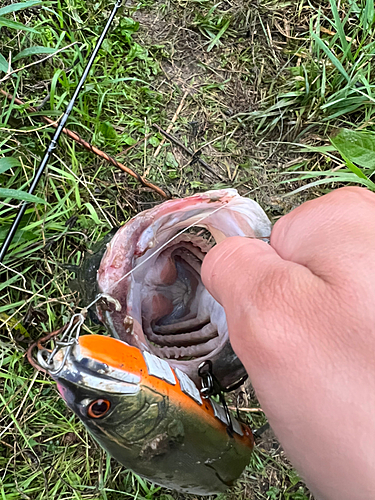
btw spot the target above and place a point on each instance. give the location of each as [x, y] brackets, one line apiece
[152, 273]
[139, 393]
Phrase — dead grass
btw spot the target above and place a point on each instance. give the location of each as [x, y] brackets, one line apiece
[217, 70]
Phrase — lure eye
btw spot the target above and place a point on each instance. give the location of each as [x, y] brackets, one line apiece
[98, 408]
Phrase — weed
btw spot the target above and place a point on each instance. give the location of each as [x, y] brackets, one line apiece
[278, 98]
[332, 78]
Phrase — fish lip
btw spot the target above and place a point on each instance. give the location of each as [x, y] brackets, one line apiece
[135, 242]
[139, 335]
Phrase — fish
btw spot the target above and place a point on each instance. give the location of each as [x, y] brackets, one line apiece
[150, 280]
[151, 417]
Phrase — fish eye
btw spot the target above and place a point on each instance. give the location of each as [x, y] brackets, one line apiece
[98, 408]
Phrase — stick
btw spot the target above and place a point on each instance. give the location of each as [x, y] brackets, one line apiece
[189, 151]
[90, 147]
[170, 126]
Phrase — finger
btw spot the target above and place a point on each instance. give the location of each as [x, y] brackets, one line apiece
[328, 234]
[241, 267]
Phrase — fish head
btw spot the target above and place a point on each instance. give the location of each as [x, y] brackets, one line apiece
[150, 278]
[149, 417]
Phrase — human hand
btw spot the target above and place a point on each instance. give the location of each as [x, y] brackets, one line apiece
[301, 317]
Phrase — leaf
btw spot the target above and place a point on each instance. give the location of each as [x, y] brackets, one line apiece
[339, 25]
[14, 7]
[356, 146]
[31, 51]
[11, 280]
[136, 52]
[336, 177]
[8, 162]
[154, 141]
[14, 25]
[331, 56]
[16, 194]
[368, 14]
[170, 160]
[356, 170]
[218, 36]
[8, 307]
[3, 64]
[127, 24]
[13, 322]
[107, 130]
[93, 213]
[129, 141]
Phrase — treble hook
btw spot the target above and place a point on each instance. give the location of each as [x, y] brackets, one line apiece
[212, 387]
[70, 335]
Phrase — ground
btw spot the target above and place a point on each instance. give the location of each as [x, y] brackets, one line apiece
[257, 89]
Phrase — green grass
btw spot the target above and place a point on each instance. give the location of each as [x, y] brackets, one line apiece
[279, 99]
[330, 89]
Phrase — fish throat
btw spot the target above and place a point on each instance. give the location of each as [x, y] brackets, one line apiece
[175, 306]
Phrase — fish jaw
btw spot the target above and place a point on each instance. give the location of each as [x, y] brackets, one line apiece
[154, 276]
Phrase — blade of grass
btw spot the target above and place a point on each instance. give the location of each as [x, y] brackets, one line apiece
[15, 194]
[339, 26]
[8, 23]
[218, 36]
[32, 51]
[331, 56]
[14, 7]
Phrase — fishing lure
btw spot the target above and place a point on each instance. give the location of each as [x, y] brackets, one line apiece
[150, 417]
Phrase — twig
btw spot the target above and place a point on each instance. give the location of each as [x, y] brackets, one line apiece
[170, 126]
[38, 344]
[93, 149]
[8, 75]
[246, 410]
[189, 151]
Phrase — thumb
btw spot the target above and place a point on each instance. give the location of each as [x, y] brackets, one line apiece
[246, 273]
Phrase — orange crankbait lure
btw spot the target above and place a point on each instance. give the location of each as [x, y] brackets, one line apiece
[151, 417]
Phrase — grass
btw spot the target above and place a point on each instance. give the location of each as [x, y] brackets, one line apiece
[278, 97]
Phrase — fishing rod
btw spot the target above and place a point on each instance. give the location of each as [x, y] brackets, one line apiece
[52, 145]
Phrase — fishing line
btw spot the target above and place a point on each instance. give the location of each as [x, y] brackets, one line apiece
[71, 331]
[155, 252]
[165, 244]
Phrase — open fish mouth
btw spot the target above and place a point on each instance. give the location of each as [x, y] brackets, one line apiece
[151, 276]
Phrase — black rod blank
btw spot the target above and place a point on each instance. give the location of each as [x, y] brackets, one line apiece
[52, 145]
